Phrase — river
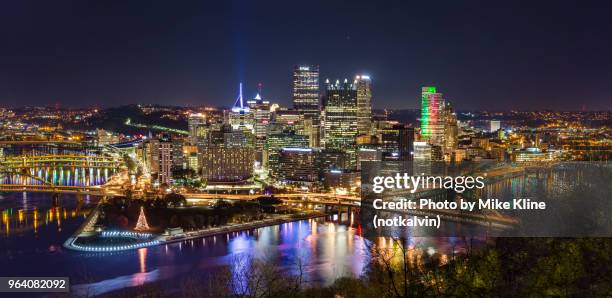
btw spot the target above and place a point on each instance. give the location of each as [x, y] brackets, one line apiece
[34, 227]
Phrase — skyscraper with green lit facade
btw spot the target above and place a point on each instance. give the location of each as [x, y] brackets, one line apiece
[432, 115]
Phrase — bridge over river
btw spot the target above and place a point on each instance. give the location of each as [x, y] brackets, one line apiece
[57, 173]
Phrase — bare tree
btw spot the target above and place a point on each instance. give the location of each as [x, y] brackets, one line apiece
[247, 276]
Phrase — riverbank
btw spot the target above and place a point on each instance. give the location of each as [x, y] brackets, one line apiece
[140, 240]
[231, 228]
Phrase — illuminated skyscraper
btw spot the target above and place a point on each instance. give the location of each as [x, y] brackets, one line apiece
[228, 157]
[261, 120]
[198, 128]
[240, 116]
[432, 116]
[298, 165]
[451, 130]
[275, 142]
[306, 101]
[312, 131]
[261, 115]
[157, 154]
[340, 104]
[364, 104]
[306, 90]
[222, 164]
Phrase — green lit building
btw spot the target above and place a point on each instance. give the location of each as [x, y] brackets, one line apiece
[432, 116]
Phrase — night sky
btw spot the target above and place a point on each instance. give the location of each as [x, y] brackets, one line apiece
[481, 54]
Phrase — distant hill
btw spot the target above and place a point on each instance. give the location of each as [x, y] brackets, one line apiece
[113, 119]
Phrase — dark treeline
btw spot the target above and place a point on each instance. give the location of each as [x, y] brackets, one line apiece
[513, 267]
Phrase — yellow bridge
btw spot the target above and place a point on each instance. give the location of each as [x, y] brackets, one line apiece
[25, 166]
[77, 161]
[92, 190]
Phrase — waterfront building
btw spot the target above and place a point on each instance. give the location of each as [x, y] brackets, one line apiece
[432, 116]
[363, 85]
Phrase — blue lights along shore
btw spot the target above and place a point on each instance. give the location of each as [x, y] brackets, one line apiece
[120, 247]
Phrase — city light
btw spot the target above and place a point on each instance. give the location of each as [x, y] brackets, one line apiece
[274, 193]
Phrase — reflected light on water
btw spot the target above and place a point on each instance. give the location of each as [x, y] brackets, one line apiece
[328, 249]
[142, 258]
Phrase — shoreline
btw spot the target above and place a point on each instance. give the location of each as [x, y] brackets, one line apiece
[241, 227]
[160, 239]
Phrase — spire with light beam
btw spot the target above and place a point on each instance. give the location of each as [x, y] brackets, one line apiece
[239, 106]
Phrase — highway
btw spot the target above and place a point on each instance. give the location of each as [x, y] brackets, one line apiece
[331, 196]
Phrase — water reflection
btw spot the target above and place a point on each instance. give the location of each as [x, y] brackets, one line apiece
[26, 216]
[322, 248]
[62, 176]
[325, 248]
[142, 258]
[553, 182]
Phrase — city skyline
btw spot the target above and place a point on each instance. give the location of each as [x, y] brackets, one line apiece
[305, 149]
[485, 56]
